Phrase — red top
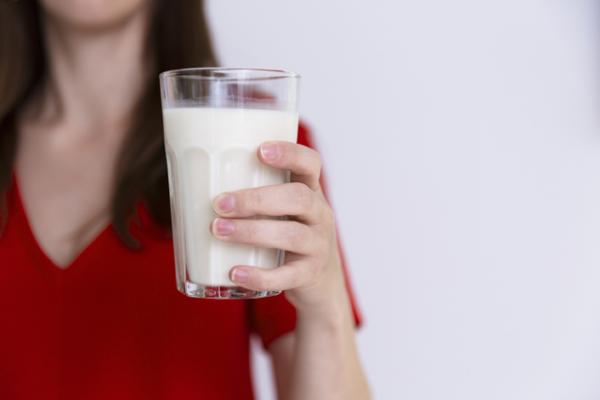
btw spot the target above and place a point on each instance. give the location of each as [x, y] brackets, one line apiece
[112, 325]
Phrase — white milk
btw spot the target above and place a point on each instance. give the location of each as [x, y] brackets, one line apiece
[210, 151]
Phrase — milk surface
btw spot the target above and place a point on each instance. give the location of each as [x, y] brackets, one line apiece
[210, 151]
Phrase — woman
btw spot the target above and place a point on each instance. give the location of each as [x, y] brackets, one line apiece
[87, 290]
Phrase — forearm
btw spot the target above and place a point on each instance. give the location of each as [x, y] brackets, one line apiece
[325, 362]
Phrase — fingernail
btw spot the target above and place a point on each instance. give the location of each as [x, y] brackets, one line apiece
[239, 275]
[224, 227]
[270, 151]
[225, 202]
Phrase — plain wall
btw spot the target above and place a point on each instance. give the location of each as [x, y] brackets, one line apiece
[461, 140]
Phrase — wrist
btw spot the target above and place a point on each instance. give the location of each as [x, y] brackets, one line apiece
[329, 307]
[325, 302]
[331, 315]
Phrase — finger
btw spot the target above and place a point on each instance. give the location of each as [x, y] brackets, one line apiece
[288, 276]
[302, 161]
[272, 234]
[293, 199]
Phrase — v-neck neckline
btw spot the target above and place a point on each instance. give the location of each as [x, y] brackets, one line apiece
[38, 252]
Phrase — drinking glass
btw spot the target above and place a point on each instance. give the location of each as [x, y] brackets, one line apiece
[214, 121]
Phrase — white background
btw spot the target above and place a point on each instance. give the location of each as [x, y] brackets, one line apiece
[462, 144]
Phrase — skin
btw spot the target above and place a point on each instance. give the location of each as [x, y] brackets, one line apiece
[70, 135]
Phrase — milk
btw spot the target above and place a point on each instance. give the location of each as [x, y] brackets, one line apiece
[211, 151]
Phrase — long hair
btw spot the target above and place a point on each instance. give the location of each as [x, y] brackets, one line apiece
[178, 37]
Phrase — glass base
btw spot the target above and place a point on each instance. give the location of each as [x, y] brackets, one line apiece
[224, 292]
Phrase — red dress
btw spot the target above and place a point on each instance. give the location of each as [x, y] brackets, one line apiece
[113, 326]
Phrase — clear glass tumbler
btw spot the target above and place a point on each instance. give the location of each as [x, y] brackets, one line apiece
[214, 121]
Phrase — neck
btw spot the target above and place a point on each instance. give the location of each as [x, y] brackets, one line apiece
[94, 76]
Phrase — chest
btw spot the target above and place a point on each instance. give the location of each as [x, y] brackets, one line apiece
[112, 325]
[66, 188]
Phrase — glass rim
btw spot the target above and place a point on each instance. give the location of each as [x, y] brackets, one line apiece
[196, 73]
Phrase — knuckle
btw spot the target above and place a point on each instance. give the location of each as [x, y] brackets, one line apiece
[322, 247]
[318, 162]
[253, 200]
[260, 281]
[248, 230]
[293, 152]
[303, 195]
[328, 216]
[294, 279]
[313, 272]
[296, 235]
[270, 281]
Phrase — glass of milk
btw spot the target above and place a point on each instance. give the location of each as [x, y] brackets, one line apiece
[214, 121]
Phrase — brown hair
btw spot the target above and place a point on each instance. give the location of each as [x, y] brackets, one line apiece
[178, 37]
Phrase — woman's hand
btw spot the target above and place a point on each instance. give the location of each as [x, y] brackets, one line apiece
[320, 360]
[311, 271]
